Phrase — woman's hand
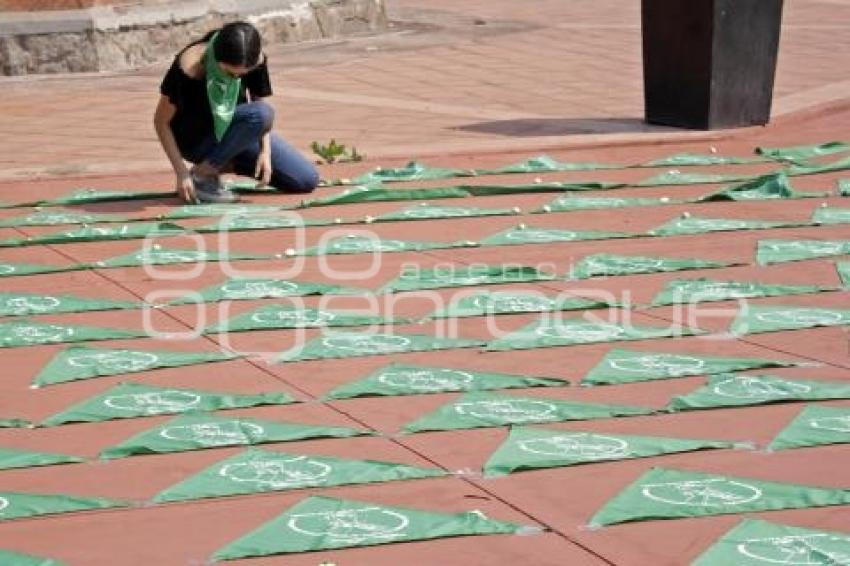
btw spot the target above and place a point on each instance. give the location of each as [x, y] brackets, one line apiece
[263, 170]
[186, 188]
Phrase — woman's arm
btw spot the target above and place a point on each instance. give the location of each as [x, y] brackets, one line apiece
[161, 121]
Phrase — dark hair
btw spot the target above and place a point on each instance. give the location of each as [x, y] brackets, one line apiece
[238, 44]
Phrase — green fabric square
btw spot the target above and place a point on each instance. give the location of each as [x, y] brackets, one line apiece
[249, 222]
[843, 268]
[816, 425]
[26, 304]
[569, 202]
[523, 234]
[463, 275]
[703, 290]
[831, 215]
[108, 232]
[17, 505]
[780, 251]
[427, 211]
[341, 344]
[10, 459]
[676, 177]
[217, 209]
[684, 225]
[270, 317]
[86, 196]
[607, 265]
[27, 333]
[55, 218]
[754, 319]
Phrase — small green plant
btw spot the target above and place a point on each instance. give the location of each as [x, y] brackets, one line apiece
[335, 152]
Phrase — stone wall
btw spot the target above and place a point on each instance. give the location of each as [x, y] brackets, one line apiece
[122, 37]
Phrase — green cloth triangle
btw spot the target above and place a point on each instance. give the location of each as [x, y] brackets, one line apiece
[767, 187]
[629, 366]
[55, 218]
[249, 222]
[217, 209]
[417, 279]
[760, 543]
[816, 169]
[132, 231]
[689, 159]
[755, 318]
[831, 215]
[731, 390]
[409, 379]
[843, 186]
[676, 494]
[703, 290]
[341, 344]
[25, 304]
[15, 423]
[548, 332]
[484, 409]
[247, 289]
[546, 164]
[17, 505]
[363, 244]
[131, 400]
[816, 425]
[277, 316]
[533, 188]
[569, 202]
[167, 256]
[803, 152]
[16, 269]
[27, 333]
[85, 196]
[83, 362]
[258, 471]
[528, 448]
[843, 268]
[684, 225]
[486, 303]
[376, 193]
[426, 211]
[10, 459]
[606, 265]
[523, 234]
[324, 523]
[413, 171]
[198, 431]
[9, 558]
[780, 251]
[675, 177]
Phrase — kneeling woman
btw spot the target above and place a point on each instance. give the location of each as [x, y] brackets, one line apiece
[211, 114]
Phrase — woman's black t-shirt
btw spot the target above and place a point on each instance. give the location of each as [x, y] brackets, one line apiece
[192, 121]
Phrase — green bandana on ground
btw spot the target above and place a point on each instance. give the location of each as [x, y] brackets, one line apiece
[695, 225]
[82, 362]
[629, 366]
[357, 344]
[755, 319]
[816, 425]
[553, 187]
[676, 494]
[244, 289]
[379, 194]
[133, 231]
[131, 400]
[462, 276]
[86, 196]
[803, 152]
[15, 423]
[843, 186]
[731, 390]
[271, 317]
[486, 303]
[843, 268]
[546, 164]
[703, 290]
[28, 333]
[760, 543]
[569, 202]
[15, 269]
[49, 218]
[407, 379]
[248, 222]
[167, 256]
[675, 177]
[24, 304]
[831, 215]
[10, 558]
[780, 251]
[532, 448]
[198, 431]
[687, 159]
[325, 523]
[222, 90]
[426, 211]
[773, 186]
[413, 171]
[258, 471]
[17, 505]
[217, 209]
[523, 234]
[550, 331]
[25, 459]
[839, 165]
[482, 410]
[361, 244]
[606, 265]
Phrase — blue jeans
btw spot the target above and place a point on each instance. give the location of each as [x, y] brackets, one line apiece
[240, 148]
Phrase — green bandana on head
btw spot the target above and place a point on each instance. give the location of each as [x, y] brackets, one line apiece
[222, 91]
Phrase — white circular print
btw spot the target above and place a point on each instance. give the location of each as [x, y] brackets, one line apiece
[215, 433]
[702, 493]
[258, 289]
[351, 526]
[509, 410]
[581, 446]
[427, 380]
[367, 344]
[117, 361]
[278, 473]
[659, 364]
[154, 402]
[754, 387]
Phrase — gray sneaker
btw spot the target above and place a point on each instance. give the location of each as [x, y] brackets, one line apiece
[210, 190]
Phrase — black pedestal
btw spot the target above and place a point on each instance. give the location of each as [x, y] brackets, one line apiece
[709, 64]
